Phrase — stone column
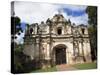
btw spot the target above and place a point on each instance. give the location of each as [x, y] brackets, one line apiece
[69, 50]
[37, 52]
[87, 51]
[67, 58]
[80, 49]
[48, 53]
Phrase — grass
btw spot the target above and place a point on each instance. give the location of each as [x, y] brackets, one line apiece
[85, 66]
[82, 66]
[52, 69]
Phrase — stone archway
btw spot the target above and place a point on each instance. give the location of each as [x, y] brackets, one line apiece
[59, 52]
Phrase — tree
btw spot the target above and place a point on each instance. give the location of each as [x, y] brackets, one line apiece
[92, 16]
[17, 55]
[15, 25]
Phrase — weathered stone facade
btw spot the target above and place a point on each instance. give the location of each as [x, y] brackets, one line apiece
[58, 41]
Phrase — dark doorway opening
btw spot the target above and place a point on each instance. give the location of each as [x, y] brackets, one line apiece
[60, 55]
[83, 30]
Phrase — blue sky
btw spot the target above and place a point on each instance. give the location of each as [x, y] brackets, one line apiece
[69, 12]
[23, 25]
[20, 39]
[30, 12]
[74, 13]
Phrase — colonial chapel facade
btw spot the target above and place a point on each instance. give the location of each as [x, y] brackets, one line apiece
[58, 41]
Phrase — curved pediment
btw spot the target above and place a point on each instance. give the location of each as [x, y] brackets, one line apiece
[58, 18]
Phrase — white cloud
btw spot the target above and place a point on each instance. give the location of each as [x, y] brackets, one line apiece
[75, 7]
[19, 39]
[36, 12]
[78, 20]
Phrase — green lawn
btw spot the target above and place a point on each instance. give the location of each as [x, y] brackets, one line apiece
[77, 66]
[52, 69]
[85, 66]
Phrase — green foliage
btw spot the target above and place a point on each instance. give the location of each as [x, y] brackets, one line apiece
[19, 48]
[92, 14]
[15, 25]
[93, 41]
[22, 62]
[27, 25]
[86, 66]
[17, 58]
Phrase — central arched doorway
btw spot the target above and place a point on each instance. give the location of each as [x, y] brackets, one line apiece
[60, 54]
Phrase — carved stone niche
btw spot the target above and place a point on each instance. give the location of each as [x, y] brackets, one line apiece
[37, 40]
[86, 40]
[44, 40]
[48, 40]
